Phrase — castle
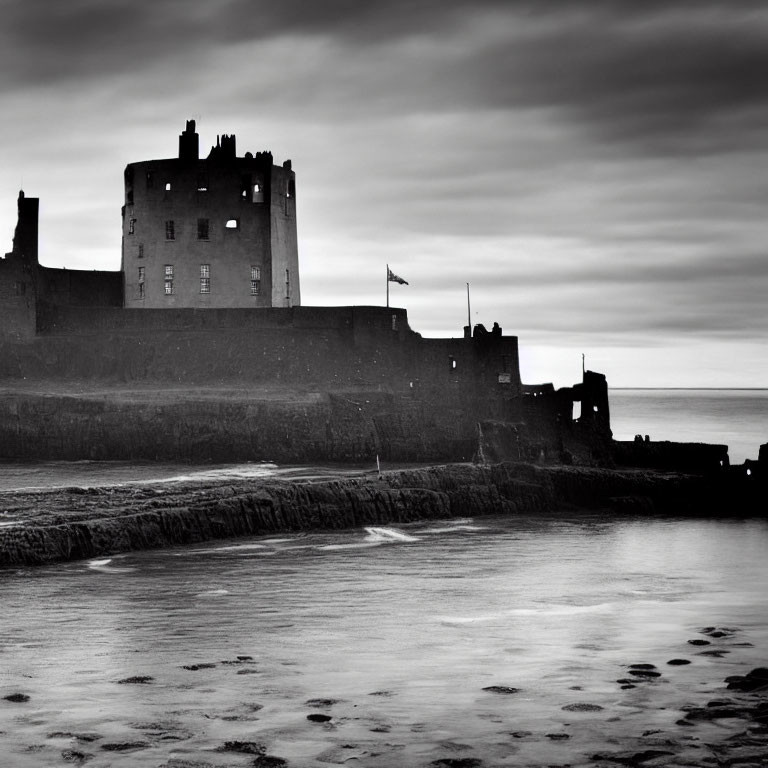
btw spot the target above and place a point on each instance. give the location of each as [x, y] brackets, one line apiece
[219, 232]
[199, 348]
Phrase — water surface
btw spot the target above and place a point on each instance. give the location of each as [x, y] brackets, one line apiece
[400, 629]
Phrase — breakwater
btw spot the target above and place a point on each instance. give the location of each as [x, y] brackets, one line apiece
[56, 525]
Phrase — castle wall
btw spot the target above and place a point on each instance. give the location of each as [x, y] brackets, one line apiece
[79, 288]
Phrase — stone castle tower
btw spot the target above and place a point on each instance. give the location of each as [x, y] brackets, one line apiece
[214, 232]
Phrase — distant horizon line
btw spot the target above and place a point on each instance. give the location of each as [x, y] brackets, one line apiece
[709, 389]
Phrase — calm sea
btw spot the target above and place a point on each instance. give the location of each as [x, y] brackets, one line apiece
[737, 418]
[391, 635]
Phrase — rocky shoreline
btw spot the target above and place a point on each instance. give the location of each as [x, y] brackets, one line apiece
[727, 730]
[46, 526]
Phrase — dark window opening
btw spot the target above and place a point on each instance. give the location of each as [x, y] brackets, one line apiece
[245, 185]
[202, 229]
[394, 322]
[170, 231]
[150, 179]
[255, 287]
[141, 251]
[141, 290]
[131, 226]
[291, 188]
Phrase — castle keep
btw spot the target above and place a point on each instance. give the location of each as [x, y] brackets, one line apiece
[199, 349]
[213, 232]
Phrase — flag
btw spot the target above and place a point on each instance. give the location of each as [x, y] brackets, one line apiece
[393, 278]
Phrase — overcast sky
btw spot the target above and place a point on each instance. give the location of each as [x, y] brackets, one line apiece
[595, 169]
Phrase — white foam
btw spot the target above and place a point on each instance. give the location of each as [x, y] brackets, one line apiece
[387, 534]
[104, 566]
[452, 528]
[213, 593]
[543, 611]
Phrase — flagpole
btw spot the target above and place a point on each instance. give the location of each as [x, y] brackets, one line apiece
[387, 286]
[469, 314]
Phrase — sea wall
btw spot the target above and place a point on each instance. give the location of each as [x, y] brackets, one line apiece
[67, 524]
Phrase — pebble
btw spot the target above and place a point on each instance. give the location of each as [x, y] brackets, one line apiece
[500, 689]
[678, 662]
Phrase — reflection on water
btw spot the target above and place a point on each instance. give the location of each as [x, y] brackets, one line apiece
[400, 630]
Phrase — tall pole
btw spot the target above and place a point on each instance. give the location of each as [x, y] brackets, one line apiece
[469, 313]
[387, 286]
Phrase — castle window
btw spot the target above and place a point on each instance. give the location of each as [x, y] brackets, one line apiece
[205, 285]
[202, 229]
[245, 185]
[255, 281]
[131, 226]
[170, 231]
[255, 273]
[168, 279]
[451, 363]
[202, 183]
[141, 251]
[205, 270]
[291, 188]
[141, 290]
[141, 274]
[233, 224]
[150, 179]
[167, 186]
[257, 192]
[394, 322]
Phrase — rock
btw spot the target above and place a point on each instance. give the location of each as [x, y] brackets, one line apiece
[642, 666]
[627, 687]
[195, 667]
[644, 673]
[124, 746]
[453, 762]
[321, 703]
[269, 761]
[244, 747]
[136, 680]
[678, 662]
[752, 681]
[74, 756]
[699, 641]
[558, 736]
[318, 718]
[505, 689]
[714, 654]
[17, 698]
[582, 708]
[245, 658]
[247, 672]
[521, 734]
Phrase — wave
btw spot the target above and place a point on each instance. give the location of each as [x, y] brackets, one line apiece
[452, 528]
[543, 611]
[213, 593]
[104, 566]
[387, 535]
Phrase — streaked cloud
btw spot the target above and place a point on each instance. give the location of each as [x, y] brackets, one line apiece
[595, 169]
